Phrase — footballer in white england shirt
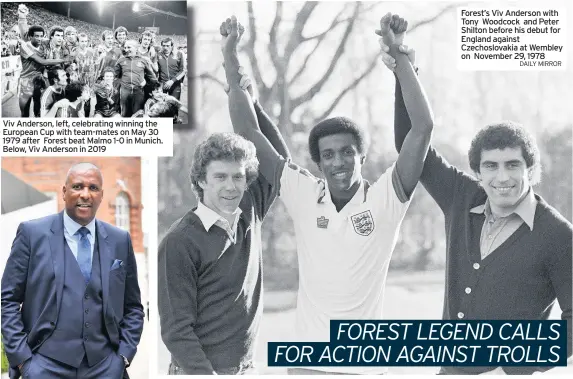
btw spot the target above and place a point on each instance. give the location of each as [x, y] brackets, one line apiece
[345, 228]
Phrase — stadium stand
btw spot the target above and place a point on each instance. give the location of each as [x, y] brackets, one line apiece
[47, 19]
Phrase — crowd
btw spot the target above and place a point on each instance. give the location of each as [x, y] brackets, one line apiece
[74, 69]
[41, 16]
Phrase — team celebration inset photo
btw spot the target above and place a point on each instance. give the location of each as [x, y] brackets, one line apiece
[94, 59]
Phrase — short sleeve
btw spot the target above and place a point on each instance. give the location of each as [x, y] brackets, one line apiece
[297, 187]
[388, 197]
[26, 50]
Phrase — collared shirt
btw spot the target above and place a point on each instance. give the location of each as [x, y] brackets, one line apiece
[496, 231]
[343, 256]
[55, 52]
[71, 228]
[209, 218]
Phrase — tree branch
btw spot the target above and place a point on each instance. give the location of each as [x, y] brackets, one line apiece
[296, 38]
[335, 22]
[207, 76]
[433, 18]
[320, 38]
[250, 51]
[273, 45]
[373, 63]
[296, 102]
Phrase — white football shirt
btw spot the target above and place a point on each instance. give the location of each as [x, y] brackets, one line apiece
[343, 256]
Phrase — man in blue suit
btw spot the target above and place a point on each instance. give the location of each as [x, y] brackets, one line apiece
[71, 305]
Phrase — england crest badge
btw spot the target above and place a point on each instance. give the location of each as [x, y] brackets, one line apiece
[363, 223]
[322, 222]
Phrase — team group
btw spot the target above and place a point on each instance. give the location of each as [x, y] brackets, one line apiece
[63, 77]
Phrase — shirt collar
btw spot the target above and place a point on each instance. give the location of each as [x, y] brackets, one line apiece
[29, 43]
[358, 198]
[209, 217]
[525, 209]
[54, 47]
[72, 227]
[56, 90]
[166, 56]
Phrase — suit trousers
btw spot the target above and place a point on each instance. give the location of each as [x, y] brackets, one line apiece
[39, 366]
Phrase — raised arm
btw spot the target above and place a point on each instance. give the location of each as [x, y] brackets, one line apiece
[266, 124]
[26, 51]
[24, 27]
[438, 176]
[271, 131]
[415, 147]
[23, 22]
[241, 109]
[50, 62]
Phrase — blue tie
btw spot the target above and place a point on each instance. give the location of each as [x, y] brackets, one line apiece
[85, 253]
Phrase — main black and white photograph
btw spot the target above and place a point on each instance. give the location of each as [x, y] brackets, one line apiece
[95, 59]
[357, 174]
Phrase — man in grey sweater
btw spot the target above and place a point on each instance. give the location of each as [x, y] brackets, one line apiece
[508, 252]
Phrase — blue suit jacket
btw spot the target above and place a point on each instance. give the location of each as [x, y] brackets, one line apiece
[34, 279]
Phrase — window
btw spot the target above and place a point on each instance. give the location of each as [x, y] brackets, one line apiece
[122, 211]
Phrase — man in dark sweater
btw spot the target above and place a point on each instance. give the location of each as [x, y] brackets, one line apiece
[508, 252]
[210, 268]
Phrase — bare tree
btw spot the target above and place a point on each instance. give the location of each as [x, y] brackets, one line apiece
[276, 96]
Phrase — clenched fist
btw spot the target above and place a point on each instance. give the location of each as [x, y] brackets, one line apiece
[231, 31]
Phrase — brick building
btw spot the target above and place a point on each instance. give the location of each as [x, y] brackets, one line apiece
[121, 204]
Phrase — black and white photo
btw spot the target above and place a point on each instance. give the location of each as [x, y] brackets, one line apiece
[129, 58]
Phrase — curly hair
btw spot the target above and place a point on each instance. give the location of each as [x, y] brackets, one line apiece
[506, 134]
[35, 28]
[336, 125]
[223, 147]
